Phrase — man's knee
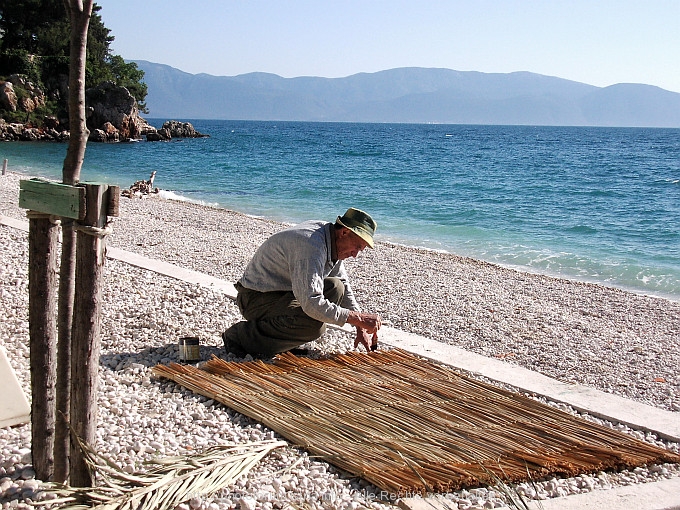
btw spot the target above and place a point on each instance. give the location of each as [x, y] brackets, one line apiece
[333, 289]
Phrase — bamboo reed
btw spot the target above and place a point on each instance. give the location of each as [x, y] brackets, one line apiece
[408, 424]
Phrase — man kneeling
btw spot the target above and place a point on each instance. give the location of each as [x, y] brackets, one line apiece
[296, 283]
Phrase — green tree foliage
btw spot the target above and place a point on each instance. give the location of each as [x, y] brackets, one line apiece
[34, 40]
[25, 25]
[128, 75]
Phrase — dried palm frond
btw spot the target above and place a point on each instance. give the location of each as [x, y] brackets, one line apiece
[168, 481]
[513, 498]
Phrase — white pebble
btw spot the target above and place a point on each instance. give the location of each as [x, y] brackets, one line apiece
[247, 503]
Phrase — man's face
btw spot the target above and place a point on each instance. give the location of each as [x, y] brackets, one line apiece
[348, 244]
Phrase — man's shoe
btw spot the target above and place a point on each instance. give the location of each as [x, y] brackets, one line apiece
[231, 345]
[298, 351]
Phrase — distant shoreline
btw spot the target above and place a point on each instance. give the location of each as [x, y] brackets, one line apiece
[410, 95]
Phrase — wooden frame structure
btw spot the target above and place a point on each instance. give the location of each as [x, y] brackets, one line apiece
[90, 204]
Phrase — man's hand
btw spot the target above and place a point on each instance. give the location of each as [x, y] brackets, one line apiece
[370, 342]
[367, 325]
[367, 321]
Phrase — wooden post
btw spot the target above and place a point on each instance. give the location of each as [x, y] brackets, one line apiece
[67, 289]
[85, 348]
[79, 13]
[4, 167]
[42, 288]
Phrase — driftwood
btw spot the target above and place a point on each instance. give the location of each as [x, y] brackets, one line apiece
[141, 188]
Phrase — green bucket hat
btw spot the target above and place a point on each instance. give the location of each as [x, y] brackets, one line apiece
[360, 223]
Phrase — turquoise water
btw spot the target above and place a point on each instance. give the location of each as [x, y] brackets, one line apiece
[593, 204]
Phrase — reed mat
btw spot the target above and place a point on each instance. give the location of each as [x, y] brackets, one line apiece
[410, 425]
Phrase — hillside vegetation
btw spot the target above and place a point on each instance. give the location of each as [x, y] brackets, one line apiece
[34, 62]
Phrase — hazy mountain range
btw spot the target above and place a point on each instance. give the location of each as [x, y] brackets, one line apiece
[409, 95]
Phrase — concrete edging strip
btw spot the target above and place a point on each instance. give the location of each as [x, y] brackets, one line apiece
[143, 262]
[661, 495]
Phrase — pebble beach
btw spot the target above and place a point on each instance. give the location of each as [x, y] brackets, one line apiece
[606, 338]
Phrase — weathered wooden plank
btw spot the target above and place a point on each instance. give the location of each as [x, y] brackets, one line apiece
[111, 198]
[52, 198]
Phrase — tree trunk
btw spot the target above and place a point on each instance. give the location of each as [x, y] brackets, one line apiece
[62, 433]
[79, 12]
[85, 348]
[42, 289]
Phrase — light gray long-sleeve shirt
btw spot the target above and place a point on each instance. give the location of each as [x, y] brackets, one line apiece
[298, 259]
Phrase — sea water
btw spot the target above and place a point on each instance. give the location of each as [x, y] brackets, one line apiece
[592, 204]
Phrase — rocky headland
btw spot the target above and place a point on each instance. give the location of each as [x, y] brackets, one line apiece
[112, 116]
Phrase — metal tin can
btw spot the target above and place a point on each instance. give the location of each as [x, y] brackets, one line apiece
[189, 349]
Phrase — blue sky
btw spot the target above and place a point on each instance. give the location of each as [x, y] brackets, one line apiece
[599, 42]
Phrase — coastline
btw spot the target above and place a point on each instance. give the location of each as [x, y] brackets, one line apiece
[616, 341]
[172, 196]
[591, 334]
